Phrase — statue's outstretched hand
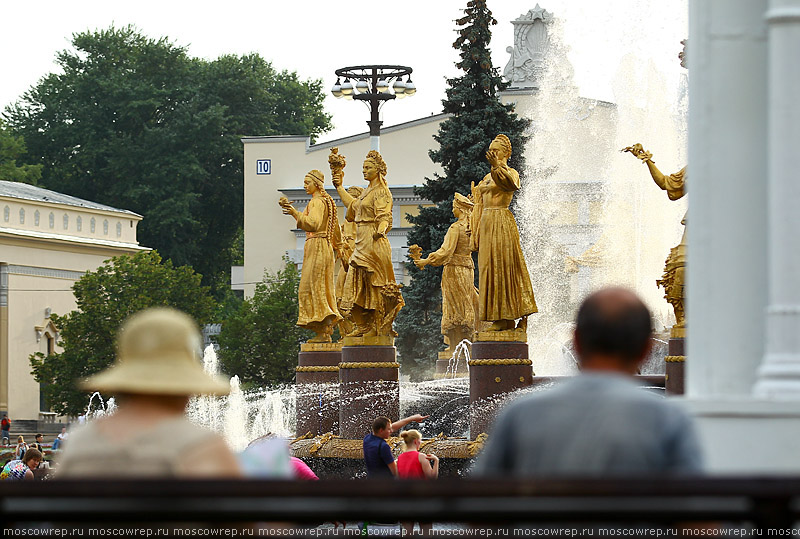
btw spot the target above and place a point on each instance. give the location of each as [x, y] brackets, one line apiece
[638, 151]
[286, 206]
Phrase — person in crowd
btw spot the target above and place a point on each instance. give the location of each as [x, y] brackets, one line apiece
[22, 468]
[60, 439]
[302, 470]
[38, 443]
[156, 371]
[411, 464]
[21, 448]
[378, 456]
[5, 427]
[598, 423]
[267, 457]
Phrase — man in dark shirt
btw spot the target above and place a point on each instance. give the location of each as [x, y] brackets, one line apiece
[377, 453]
[38, 444]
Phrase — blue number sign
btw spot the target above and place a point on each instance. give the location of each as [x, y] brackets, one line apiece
[264, 166]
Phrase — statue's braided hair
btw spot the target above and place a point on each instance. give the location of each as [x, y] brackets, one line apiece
[333, 219]
[505, 142]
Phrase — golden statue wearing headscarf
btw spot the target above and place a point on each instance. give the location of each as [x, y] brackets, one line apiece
[370, 293]
[316, 295]
[459, 296]
[505, 291]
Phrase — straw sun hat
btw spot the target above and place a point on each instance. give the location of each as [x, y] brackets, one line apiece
[158, 354]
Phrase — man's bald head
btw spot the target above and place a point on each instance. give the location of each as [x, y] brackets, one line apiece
[613, 323]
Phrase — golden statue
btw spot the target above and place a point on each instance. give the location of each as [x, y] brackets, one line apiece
[505, 291]
[316, 296]
[673, 279]
[370, 292]
[345, 252]
[459, 296]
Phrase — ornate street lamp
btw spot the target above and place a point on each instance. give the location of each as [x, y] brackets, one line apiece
[372, 85]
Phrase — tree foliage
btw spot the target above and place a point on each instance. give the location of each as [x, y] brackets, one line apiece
[12, 149]
[477, 116]
[260, 343]
[137, 123]
[120, 287]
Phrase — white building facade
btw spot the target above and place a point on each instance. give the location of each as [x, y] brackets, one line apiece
[47, 242]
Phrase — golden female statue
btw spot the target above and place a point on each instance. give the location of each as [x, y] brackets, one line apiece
[316, 296]
[370, 291]
[504, 285]
[673, 279]
[345, 252]
[459, 296]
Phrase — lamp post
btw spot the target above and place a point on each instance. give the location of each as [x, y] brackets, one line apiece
[373, 85]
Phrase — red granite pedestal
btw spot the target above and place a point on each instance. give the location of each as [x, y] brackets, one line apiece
[369, 386]
[496, 369]
[675, 363]
[317, 387]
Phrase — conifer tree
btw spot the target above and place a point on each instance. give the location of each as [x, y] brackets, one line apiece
[477, 116]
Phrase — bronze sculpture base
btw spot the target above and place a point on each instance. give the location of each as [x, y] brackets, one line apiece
[675, 364]
[317, 405]
[496, 369]
[369, 387]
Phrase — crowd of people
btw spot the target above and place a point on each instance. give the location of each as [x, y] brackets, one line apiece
[599, 423]
[25, 456]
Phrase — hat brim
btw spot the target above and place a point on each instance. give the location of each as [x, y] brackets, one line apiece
[165, 377]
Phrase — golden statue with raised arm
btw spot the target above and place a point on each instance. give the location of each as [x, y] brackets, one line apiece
[673, 279]
[504, 285]
[370, 292]
[459, 296]
[316, 296]
[345, 252]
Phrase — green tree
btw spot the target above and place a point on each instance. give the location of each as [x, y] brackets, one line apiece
[137, 123]
[120, 287]
[260, 343]
[477, 116]
[12, 148]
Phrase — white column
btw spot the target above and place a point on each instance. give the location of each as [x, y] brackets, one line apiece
[779, 375]
[726, 263]
[375, 143]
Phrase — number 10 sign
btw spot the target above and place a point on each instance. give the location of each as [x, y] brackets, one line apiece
[264, 166]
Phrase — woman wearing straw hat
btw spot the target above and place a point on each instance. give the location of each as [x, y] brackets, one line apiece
[156, 371]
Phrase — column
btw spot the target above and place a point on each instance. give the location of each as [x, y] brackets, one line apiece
[779, 375]
[726, 227]
[4, 345]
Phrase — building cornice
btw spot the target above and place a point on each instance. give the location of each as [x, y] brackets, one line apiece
[343, 140]
[400, 194]
[396, 231]
[63, 239]
[52, 273]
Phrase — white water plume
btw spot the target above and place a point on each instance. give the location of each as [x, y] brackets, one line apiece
[582, 196]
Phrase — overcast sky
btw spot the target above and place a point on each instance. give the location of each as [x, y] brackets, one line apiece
[314, 37]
